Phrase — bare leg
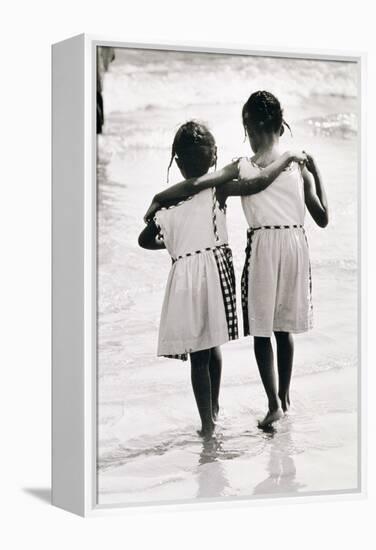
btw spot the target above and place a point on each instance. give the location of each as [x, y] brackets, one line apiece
[285, 357]
[265, 362]
[215, 371]
[201, 385]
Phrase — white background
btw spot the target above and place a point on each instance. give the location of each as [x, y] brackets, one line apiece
[27, 30]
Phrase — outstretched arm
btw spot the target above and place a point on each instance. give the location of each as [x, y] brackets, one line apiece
[314, 193]
[149, 239]
[191, 186]
[262, 178]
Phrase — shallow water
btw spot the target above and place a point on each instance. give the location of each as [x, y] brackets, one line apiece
[148, 449]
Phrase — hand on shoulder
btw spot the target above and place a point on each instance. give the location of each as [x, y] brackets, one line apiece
[300, 157]
[310, 163]
[152, 210]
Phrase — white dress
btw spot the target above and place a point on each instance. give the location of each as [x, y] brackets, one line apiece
[199, 308]
[276, 281]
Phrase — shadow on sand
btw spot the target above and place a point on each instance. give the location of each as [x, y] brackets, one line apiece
[41, 493]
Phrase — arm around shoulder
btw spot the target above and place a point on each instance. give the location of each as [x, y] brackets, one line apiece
[192, 186]
[262, 178]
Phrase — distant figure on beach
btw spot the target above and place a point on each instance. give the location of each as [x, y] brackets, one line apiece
[105, 55]
[276, 279]
[199, 310]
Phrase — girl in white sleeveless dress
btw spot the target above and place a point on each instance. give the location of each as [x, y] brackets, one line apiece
[199, 308]
[276, 281]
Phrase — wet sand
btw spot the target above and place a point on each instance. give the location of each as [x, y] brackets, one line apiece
[311, 449]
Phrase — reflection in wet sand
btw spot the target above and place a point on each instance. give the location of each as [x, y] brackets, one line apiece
[212, 472]
[212, 481]
[282, 474]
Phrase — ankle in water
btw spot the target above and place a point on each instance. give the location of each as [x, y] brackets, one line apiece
[285, 402]
[274, 406]
[270, 418]
[215, 410]
[207, 431]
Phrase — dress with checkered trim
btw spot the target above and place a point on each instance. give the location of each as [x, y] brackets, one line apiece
[276, 282]
[199, 307]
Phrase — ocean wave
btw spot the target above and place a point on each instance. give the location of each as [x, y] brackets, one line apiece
[144, 80]
[339, 124]
[332, 264]
[306, 367]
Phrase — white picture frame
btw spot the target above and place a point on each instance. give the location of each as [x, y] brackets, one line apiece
[74, 384]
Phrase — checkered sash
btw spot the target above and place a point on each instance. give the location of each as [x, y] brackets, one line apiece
[310, 278]
[214, 214]
[181, 356]
[244, 282]
[223, 257]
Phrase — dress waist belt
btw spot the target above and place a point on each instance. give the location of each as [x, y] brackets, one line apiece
[225, 245]
[297, 226]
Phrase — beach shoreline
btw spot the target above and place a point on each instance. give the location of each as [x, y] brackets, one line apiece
[311, 450]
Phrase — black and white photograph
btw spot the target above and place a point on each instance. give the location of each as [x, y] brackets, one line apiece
[227, 276]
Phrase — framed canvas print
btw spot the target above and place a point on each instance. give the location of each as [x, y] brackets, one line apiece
[208, 275]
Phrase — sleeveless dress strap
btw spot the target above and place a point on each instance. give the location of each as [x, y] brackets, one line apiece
[214, 214]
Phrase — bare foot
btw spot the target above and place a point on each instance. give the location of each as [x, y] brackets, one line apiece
[270, 418]
[215, 409]
[285, 406]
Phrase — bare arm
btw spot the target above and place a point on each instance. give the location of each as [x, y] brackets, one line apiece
[314, 193]
[262, 178]
[191, 186]
[149, 239]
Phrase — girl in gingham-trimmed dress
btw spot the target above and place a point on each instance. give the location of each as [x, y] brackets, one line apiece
[199, 309]
[276, 280]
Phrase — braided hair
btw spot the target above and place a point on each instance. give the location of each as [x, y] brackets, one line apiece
[263, 112]
[194, 146]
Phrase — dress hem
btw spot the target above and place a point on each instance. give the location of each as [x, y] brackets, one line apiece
[268, 333]
[197, 347]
